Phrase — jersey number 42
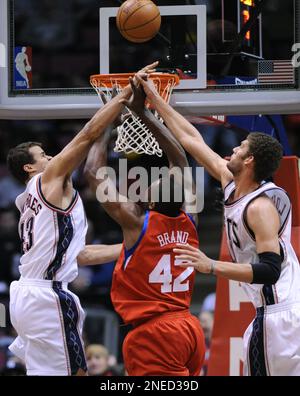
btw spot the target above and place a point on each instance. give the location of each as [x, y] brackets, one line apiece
[162, 274]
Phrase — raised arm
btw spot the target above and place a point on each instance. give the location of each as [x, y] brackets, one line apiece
[126, 213]
[56, 178]
[122, 210]
[56, 182]
[99, 254]
[188, 136]
[62, 165]
[169, 145]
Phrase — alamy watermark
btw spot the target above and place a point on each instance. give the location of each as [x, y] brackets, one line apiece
[2, 316]
[2, 55]
[141, 179]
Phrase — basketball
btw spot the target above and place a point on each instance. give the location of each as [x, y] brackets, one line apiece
[138, 20]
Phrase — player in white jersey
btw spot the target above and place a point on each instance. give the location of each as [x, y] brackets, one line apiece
[258, 224]
[46, 315]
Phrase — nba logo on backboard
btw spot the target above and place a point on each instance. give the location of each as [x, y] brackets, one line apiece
[2, 55]
[23, 68]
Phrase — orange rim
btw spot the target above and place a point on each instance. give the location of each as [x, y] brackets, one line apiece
[162, 80]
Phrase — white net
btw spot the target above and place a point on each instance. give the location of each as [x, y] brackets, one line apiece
[105, 88]
[133, 135]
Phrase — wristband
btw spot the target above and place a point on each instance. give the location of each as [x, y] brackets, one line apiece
[212, 267]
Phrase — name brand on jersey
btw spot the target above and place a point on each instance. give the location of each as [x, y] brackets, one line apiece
[173, 237]
[33, 204]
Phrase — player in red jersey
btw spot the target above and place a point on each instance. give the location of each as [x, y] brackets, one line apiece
[150, 290]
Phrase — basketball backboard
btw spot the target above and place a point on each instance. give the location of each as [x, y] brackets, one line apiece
[247, 67]
[191, 49]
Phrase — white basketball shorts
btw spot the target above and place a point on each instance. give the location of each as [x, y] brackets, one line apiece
[272, 341]
[48, 319]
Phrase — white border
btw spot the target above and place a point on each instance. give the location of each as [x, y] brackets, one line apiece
[198, 10]
[187, 102]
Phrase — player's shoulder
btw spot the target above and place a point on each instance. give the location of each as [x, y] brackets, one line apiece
[261, 206]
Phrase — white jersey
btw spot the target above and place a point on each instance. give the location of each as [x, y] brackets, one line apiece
[51, 238]
[242, 244]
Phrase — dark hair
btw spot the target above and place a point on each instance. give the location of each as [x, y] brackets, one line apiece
[267, 153]
[175, 200]
[19, 156]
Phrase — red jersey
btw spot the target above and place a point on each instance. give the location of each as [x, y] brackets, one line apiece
[147, 280]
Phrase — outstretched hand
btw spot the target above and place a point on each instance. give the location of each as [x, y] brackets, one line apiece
[137, 100]
[145, 72]
[149, 69]
[192, 257]
[147, 84]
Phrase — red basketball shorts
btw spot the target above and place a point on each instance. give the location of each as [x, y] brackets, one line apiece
[171, 344]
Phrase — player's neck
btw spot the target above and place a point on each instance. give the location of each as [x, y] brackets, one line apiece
[243, 186]
[31, 176]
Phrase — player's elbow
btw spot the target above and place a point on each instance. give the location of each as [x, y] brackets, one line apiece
[178, 159]
[268, 270]
[181, 154]
[274, 278]
[190, 144]
[92, 128]
[82, 258]
[90, 176]
[265, 275]
[88, 173]
[185, 141]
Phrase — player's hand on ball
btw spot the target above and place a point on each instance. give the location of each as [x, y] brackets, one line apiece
[192, 257]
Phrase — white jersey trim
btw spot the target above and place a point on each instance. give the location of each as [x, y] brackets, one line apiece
[229, 205]
[53, 207]
[244, 215]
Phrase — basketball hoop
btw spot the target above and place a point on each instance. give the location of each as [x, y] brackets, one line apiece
[133, 135]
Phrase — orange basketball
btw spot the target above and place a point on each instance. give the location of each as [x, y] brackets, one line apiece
[138, 20]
